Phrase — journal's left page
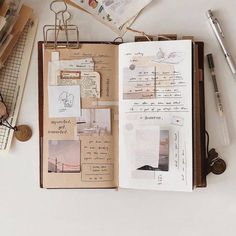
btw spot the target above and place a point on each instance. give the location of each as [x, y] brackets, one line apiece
[80, 125]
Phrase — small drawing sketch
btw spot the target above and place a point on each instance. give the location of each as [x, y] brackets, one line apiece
[169, 57]
[66, 99]
[160, 54]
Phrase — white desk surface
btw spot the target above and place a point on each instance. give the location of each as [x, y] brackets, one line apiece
[27, 210]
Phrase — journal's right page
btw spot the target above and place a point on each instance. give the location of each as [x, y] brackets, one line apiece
[155, 117]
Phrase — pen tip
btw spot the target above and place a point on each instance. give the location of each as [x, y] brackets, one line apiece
[209, 13]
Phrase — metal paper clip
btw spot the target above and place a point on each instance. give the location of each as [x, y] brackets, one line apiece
[61, 26]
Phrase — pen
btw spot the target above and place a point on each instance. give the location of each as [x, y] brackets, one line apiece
[221, 39]
[220, 109]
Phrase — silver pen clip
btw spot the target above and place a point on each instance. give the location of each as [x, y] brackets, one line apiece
[219, 27]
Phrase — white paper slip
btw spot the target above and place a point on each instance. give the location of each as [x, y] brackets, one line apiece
[64, 101]
[147, 141]
[86, 64]
[90, 85]
[139, 83]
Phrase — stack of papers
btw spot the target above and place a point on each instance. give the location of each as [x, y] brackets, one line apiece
[13, 19]
[118, 15]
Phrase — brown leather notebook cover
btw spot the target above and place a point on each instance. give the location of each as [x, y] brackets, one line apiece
[40, 102]
[199, 152]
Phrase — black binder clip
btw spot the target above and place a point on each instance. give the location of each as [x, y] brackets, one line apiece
[215, 164]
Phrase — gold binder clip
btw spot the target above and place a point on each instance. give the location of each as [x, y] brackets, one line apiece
[62, 17]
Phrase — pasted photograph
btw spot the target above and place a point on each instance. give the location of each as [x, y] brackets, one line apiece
[64, 156]
[163, 164]
[94, 122]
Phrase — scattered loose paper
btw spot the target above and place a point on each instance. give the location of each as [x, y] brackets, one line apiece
[122, 10]
[58, 68]
[88, 81]
[97, 9]
[75, 72]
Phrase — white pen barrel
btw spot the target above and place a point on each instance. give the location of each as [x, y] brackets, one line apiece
[231, 64]
[221, 40]
[225, 131]
[222, 120]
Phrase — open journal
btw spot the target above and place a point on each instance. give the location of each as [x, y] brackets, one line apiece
[128, 116]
